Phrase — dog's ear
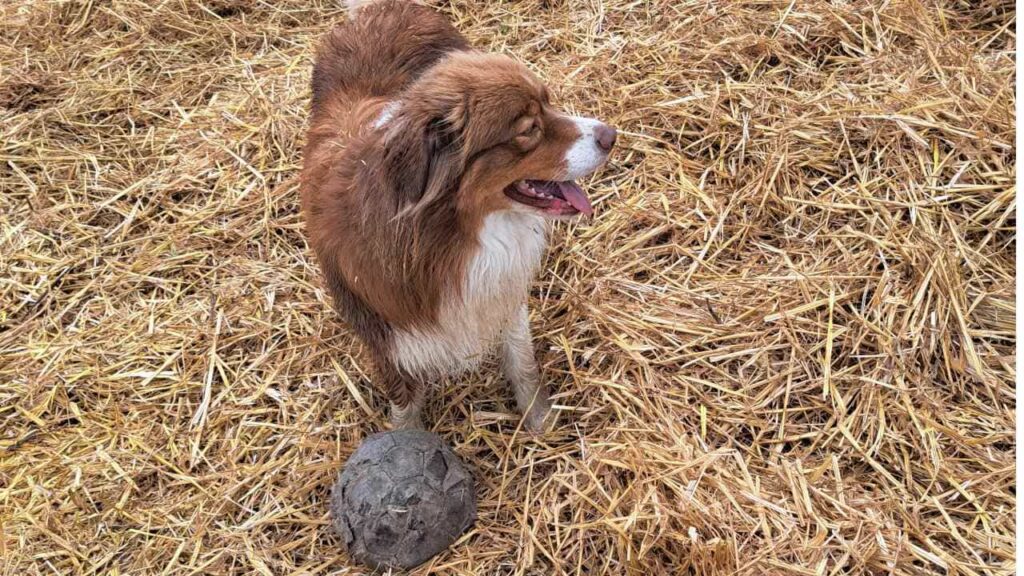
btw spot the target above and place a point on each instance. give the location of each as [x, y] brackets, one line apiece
[423, 159]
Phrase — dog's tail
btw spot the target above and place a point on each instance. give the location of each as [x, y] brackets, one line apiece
[355, 5]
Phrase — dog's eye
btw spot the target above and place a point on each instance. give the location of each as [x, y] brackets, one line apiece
[526, 126]
[527, 132]
[528, 140]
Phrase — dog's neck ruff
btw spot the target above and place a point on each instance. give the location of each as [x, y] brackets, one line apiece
[510, 248]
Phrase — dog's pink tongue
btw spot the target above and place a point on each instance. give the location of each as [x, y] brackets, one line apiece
[574, 195]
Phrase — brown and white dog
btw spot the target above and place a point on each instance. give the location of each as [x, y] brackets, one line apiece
[432, 172]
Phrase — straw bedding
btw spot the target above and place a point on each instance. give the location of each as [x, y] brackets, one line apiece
[785, 344]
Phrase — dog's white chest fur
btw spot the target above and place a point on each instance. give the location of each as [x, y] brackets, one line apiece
[497, 281]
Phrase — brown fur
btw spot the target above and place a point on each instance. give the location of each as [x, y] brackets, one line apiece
[394, 213]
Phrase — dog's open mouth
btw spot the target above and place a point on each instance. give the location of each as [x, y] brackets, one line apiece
[551, 197]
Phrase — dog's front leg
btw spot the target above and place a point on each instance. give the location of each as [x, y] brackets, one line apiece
[520, 368]
[405, 393]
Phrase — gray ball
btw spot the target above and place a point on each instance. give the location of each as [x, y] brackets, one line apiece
[401, 498]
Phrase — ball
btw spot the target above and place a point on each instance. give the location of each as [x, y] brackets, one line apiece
[402, 497]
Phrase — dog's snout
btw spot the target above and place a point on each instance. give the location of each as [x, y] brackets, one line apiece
[590, 149]
[605, 135]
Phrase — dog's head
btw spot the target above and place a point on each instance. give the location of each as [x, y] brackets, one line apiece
[479, 133]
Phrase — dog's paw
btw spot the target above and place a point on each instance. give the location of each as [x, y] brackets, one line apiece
[540, 418]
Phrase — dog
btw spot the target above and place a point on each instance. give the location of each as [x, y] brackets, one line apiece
[431, 175]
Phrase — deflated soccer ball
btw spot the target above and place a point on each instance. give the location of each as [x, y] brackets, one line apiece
[401, 498]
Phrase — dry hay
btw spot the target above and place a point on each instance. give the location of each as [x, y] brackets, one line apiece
[785, 345]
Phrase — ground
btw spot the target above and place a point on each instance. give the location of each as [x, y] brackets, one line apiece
[784, 345]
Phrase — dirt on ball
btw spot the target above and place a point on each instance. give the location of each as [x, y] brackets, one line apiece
[401, 498]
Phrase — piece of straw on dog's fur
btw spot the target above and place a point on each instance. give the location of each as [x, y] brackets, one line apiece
[784, 344]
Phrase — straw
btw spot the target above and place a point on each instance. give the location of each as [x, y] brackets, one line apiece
[784, 345]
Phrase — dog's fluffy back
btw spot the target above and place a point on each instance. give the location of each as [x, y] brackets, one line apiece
[389, 46]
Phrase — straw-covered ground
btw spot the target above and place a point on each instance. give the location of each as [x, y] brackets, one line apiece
[784, 345]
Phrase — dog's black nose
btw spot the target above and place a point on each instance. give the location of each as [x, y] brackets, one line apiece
[605, 137]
